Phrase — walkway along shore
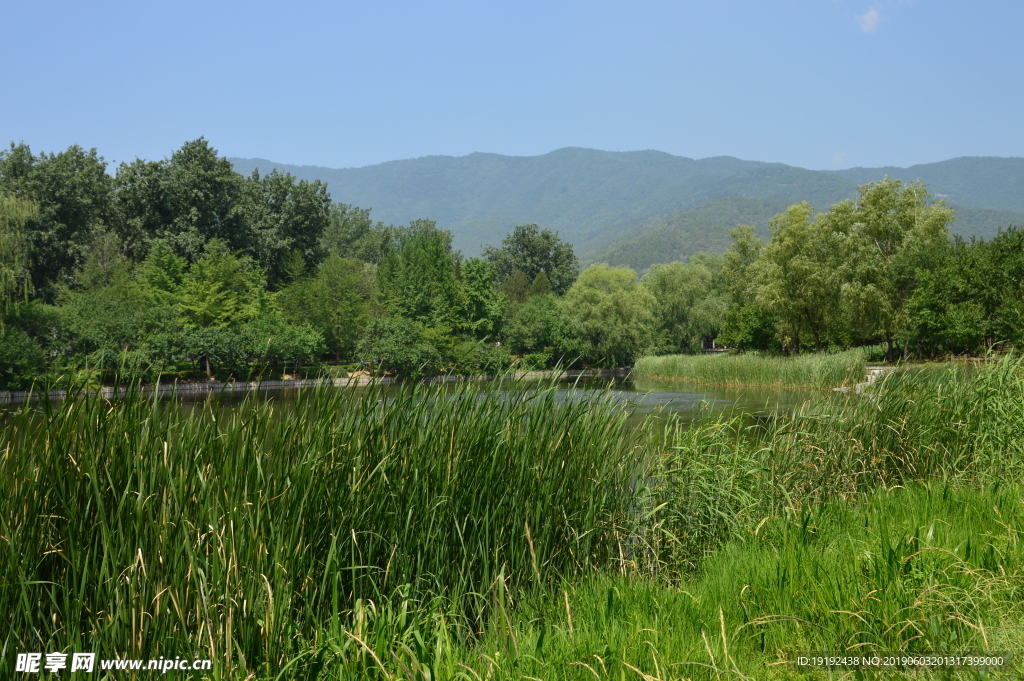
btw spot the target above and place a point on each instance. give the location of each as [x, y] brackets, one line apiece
[209, 387]
[874, 373]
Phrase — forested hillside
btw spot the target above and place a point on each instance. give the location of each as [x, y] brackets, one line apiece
[680, 234]
[598, 200]
[981, 181]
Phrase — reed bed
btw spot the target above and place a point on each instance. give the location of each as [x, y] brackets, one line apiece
[469, 533]
[917, 570]
[870, 524]
[824, 370]
[964, 425]
[268, 536]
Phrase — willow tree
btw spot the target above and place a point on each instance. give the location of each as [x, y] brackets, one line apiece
[613, 314]
[885, 240]
[797, 278]
[687, 309]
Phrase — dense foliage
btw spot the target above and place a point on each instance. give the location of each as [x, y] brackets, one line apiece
[183, 268]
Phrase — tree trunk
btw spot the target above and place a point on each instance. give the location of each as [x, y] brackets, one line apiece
[209, 374]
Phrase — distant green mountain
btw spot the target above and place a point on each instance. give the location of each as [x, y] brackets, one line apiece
[583, 193]
[983, 181]
[601, 201]
[679, 234]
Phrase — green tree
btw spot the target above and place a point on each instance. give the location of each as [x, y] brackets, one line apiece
[972, 298]
[352, 234]
[15, 276]
[533, 250]
[687, 310]
[484, 302]
[161, 274]
[540, 285]
[797, 278]
[107, 320]
[337, 302]
[215, 347]
[285, 217]
[419, 278]
[886, 239]
[185, 200]
[612, 313]
[22, 359]
[270, 340]
[72, 191]
[516, 288]
[538, 328]
[397, 345]
[747, 324]
[221, 289]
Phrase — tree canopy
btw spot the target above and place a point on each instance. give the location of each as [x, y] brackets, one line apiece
[532, 250]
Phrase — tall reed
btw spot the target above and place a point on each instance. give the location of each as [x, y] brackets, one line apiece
[952, 423]
[264, 533]
[822, 370]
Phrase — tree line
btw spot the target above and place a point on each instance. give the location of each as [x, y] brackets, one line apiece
[881, 269]
[184, 267]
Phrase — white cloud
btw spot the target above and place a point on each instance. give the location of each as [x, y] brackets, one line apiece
[869, 20]
[839, 159]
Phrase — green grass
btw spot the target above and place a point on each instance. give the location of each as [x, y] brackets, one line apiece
[923, 569]
[466, 533]
[807, 371]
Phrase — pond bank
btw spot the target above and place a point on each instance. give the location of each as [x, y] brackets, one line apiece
[13, 397]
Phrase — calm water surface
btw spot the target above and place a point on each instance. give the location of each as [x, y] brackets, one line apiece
[689, 400]
[642, 396]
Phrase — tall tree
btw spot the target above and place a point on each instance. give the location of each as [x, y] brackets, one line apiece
[15, 276]
[484, 302]
[687, 310]
[285, 216]
[419, 278]
[612, 312]
[533, 250]
[798, 281]
[885, 240]
[186, 200]
[336, 302]
[72, 191]
[747, 324]
[221, 289]
[352, 234]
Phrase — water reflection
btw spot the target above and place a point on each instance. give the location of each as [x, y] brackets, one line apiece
[642, 396]
[689, 400]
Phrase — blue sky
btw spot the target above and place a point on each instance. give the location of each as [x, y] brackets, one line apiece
[814, 83]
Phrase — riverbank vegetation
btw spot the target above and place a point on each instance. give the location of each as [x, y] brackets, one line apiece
[183, 269]
[468, 533]
[814, 370]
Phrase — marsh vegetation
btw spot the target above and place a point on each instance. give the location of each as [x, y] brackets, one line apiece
[471, 533]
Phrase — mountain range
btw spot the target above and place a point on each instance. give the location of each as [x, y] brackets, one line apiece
[641, 207]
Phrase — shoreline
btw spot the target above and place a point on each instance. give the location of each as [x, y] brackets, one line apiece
[14, 397]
